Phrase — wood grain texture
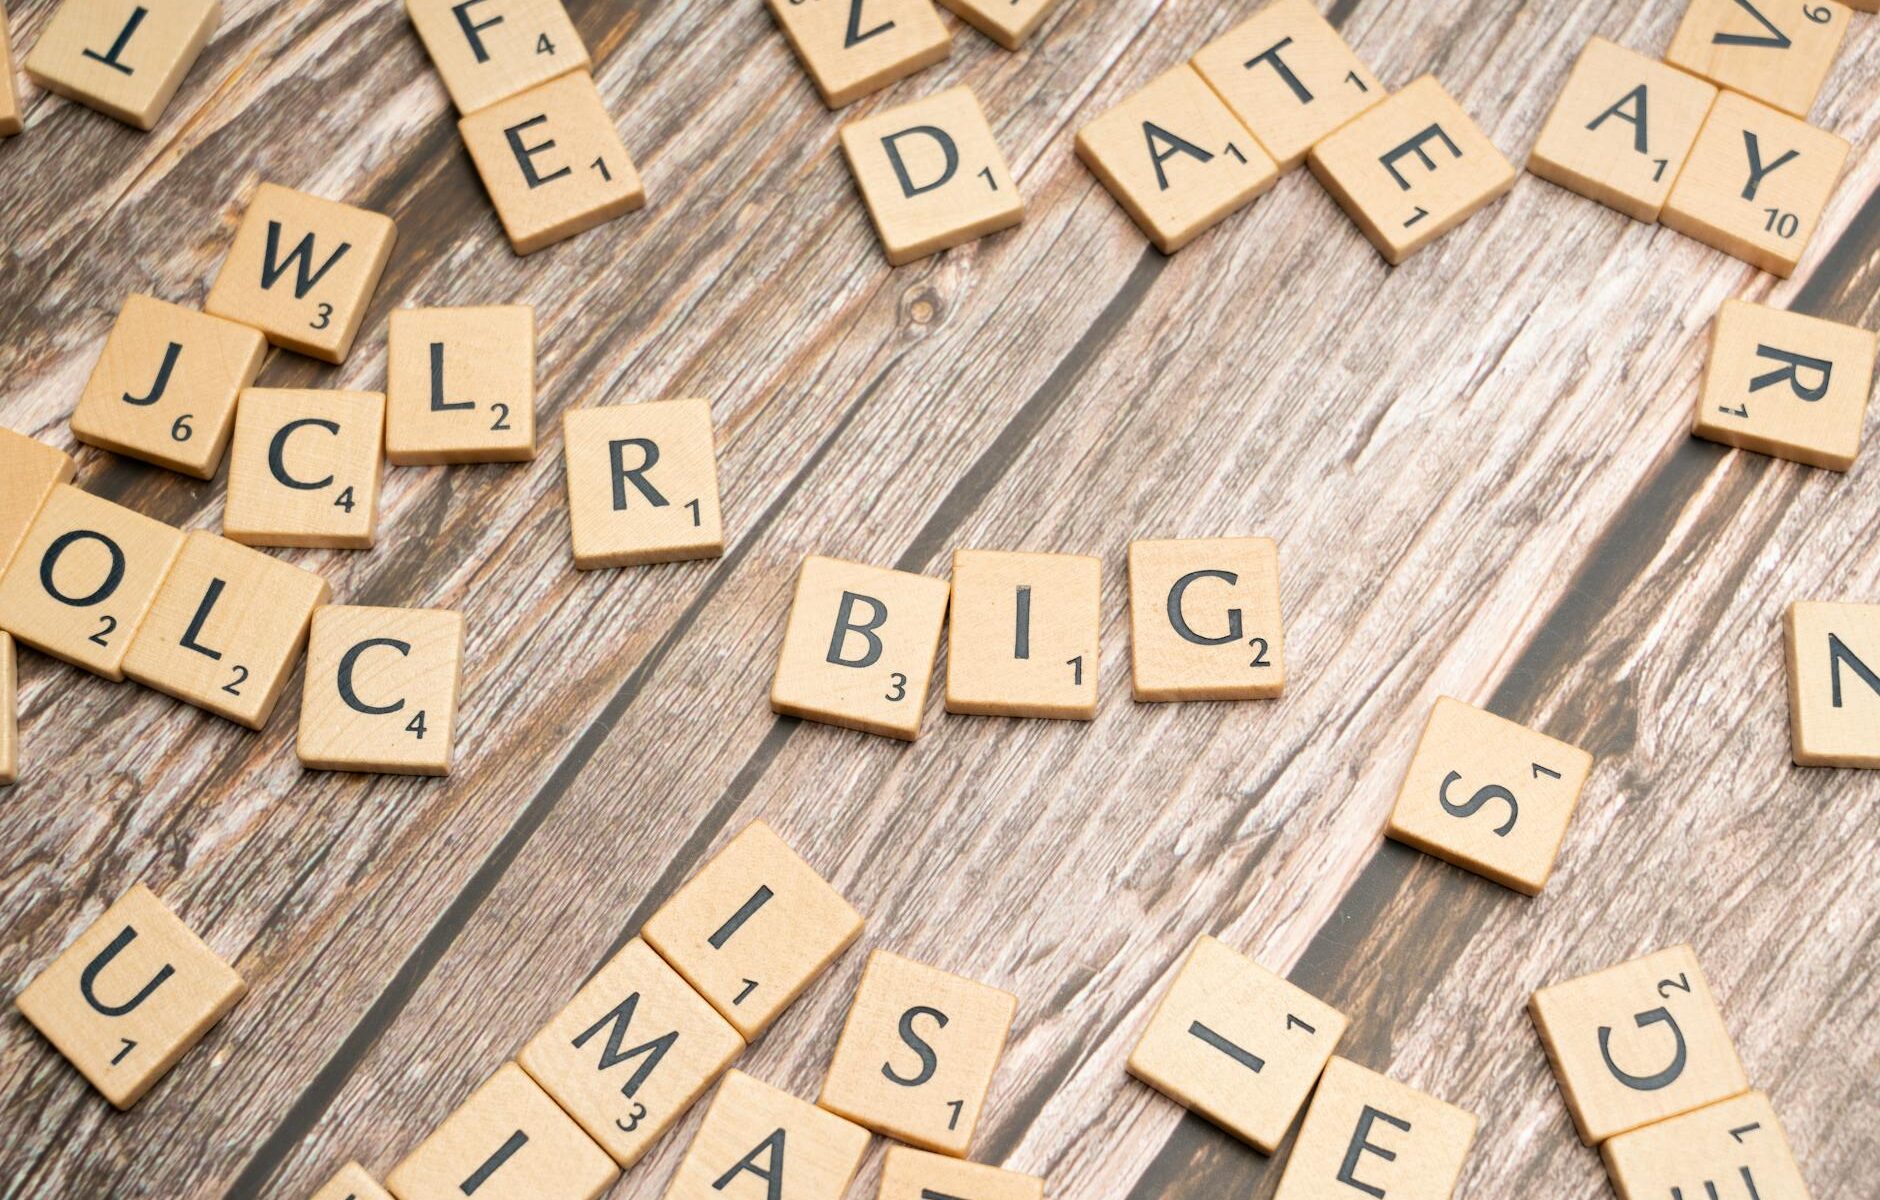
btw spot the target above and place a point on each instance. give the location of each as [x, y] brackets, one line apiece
[1478, 468]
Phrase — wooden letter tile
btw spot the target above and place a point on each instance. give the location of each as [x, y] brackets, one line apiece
[302, 270]
[84, 578]
[631, 1053]
[1786, 384]
[1175, 158]
[381, 690]
[642, 483]
[1237, 1044]
[1834, 683]
[125, 58]
[753, 928]
[1755, 184]
[1489, 795]
[1733, 1148]
[909, 1174]
[305, 468]
[508, 1141]
[460, 385]
[10, 121]
[1377, 1136]
[853, 47]
[164, 389]
[931, 174]
[1621, 129]
[1637, 1043]
[1007, 22]
[130, 996]
[1289, 77]
[1204, 620]
[859, 647]
[917, 1053]
[552, 162]
[29, 470]
[489, 50]
[352, 1183]
[9, 712]
[1779, 53]
[759, 1143]
[1023, 640]
[227, 627]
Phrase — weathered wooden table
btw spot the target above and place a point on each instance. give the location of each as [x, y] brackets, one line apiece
[1477, 467]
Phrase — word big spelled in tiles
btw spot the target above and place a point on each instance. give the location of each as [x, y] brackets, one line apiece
[305, 468]
[129, 998]
[381, 690]
[642, 483]
[853, 47]
[1736, 1147]
[460, 385]
[125, 58]
[1367, 1134]
[1023, 639]
[509, 1141]
[489, 50]
[1204, 620]
[1786, 384]
[1834, 683]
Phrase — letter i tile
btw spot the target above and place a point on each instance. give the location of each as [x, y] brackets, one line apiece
[508, 1141]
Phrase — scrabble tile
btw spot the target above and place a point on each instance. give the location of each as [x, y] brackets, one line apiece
[552, 162]
[130, 996]
[302, 270]
[859, 647]
[10, 121]
[84, 578]
[931, 174]
[305, 468]
[508, 1141]
[1732, 1148]
[631, 1052]
[125, 58]
[29, 470]
[164, 389]
[1411, 169]
[853, 47]
[1621, 129]
[1204, 620]
[1007, 22]
[1023, 641]
[9, 712]
[1779, 53]
[909, 1174]
[226, 628]
[1175, 158]
[1369, 1134]
[1755, 184]
[352, 1183]
[917, 1053]
[1834, 683]
[1786, 384]
[760, 1143]
[1637, 1043]
[642, 483]
[460, 385]
[1489, 795]
[1237, 1044]
[381, 690]
[753, 928]
[490, 50]
[1289, 77]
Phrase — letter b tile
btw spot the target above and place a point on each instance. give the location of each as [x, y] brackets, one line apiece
[381, 690]
[1204, 619]
[1366, 1134]
[508, 1141]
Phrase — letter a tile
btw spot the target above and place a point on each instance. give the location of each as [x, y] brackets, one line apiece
[9, 712]
[1204, 620]
[1368, 1134]
[508, 1141]
[1237, 1044]
[1733, 1148]
[853, 47]
[859, 647]
[909, 1174]
[489, 50]
[381, 690]
[1779, 53]
[1637, 1043]
[1834, 683]
[125, 58]
[130, 997]
[1023, 639]
[642, 484]
[352, 1183]
[29, 470]
[1786, 384]
[755, 1138]
[305, 468]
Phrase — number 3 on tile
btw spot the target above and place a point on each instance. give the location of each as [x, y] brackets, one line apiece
[899, 683]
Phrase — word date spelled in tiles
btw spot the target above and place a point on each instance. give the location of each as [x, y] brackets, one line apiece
[305, 468]
[1023, 640]
[29, 470]
[351, 1182]
[909, 1174]
[1370, 1135]
[1778, 51]
[83, 579]
[1834, 683]
[1237, 1044]
[508, 1141]
[642, 483]
[1489, 795]
[1736, 1147]
[1786, 384]
[552, 162]
[1411, 169]
[760, 1143]
[129, 998]
[631, 1052]
[460, 385]
[10, 122]
[381, 690]
[753, 928]
[9, 712]
[1007, 22]
[931, 174]
[853, 47]
[1637, 1043]
[1175, 158]
[1204, 619]
[1621, 129]
[125, 58]
[489, 50]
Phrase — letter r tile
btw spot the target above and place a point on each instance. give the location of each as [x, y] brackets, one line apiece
[1366, 1134]
[642, 484]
